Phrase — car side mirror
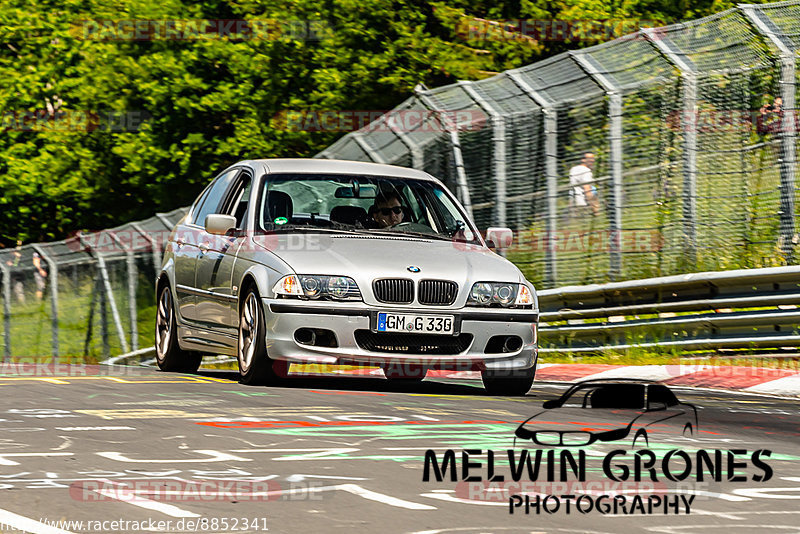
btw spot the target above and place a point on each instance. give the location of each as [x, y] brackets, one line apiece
[552, 403]
[500, 238]
[219, 224]
[655, 406]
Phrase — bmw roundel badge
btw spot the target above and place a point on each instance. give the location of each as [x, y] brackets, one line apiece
[413, 268]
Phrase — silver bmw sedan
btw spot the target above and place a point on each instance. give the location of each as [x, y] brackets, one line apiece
[341, 263]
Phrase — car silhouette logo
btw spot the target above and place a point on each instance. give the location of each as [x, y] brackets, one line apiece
[413, 268]
[609, 410]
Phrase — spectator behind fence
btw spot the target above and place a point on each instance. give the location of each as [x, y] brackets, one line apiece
[770, 117]
[583, 192]
[39, 275]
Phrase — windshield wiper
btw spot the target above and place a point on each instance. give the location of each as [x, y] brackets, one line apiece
[396, 233]
[305, 228]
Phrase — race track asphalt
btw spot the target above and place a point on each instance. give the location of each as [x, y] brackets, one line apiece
[130, 449]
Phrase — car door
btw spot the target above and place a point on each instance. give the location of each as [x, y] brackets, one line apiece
[216, 258]
[187, 244]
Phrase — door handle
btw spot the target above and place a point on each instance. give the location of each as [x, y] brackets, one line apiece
[180, 242]
[203, 248]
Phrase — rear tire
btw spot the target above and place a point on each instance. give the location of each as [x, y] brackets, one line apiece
[509, 383]
[255, 366]
[169, 355]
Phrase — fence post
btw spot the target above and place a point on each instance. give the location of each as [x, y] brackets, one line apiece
[6, 272]
[90, 326]
[499, 151]
[133, 274]
[455, 143]
[109, 294]
[154, 247]
[764, 25]
[166, 222]
[551, 172]
[688, 72]
[103, 314]
[591, 67]
[53, 278]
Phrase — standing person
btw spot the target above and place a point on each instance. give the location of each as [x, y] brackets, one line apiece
[770, 118]
[583, 192]
[39, 274]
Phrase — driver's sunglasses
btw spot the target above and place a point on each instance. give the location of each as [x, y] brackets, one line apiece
[397, 210]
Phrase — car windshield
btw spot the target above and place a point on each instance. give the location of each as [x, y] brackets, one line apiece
[361, 204]
[609, 396]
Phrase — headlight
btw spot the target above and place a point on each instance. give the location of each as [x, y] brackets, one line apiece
[494, 293]
[312, 286]
[481, 294]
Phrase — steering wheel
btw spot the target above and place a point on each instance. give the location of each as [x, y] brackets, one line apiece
[412, 227]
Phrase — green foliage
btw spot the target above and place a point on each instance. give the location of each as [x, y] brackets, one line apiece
[210, 102]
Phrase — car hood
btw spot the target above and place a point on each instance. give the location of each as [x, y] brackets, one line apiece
[365, 258]
[585, 419]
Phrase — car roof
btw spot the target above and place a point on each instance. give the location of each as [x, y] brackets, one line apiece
[335, 166]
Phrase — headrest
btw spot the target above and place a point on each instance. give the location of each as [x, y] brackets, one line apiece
[279, 204]
[352, 215]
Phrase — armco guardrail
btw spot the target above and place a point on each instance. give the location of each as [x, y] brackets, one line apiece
[750, 308]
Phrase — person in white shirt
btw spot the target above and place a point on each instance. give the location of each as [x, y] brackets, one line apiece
[583, 192]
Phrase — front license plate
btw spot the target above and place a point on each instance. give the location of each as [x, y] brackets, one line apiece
[418, 324]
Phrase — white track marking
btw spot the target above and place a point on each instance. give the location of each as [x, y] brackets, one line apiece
[385, 499]
[213, 456]
[349, 488]
[300, 478]
[449, 498]
[128, 496]
[5, 461]
[313, 454]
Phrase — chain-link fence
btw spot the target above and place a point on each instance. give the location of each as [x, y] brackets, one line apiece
[692, 128]
[84, 298]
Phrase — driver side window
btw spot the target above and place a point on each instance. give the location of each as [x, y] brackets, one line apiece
[237, 201]
[213, 197]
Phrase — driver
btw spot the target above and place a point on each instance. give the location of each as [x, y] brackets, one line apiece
[387, 210]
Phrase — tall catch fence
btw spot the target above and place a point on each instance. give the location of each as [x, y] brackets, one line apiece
[693, 127]
[84, 298]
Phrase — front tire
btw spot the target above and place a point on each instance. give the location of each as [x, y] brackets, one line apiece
[509, 383]
[255, 367]
[169, 355]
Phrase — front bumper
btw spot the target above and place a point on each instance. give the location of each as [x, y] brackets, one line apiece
[285, 317]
